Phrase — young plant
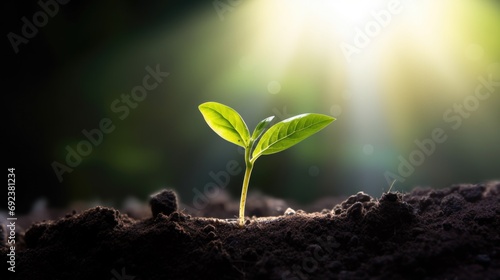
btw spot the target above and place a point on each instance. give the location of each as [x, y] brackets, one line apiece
[226, 122]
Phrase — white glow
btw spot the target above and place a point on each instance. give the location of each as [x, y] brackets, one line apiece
[340, 15]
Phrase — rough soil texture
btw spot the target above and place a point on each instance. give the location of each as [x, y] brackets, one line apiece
[451, 233]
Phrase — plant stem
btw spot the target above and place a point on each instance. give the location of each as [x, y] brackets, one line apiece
[244, 190]
[246, 181]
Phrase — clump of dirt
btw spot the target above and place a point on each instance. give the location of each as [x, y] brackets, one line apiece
[451, 233]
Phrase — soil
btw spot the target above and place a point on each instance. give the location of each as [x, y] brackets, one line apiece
[451, 233]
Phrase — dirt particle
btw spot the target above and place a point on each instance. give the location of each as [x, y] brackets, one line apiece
[424, 203]
[289, 211]
[369, 204]
[355, 211]
[326, 211]
[177, 217]
[452, 203]
[163, 202]
[212, 235]
[472, 193]
[389, 197]
[351, 199]
[492, 189]
[363, 197]
[209, 228]
[438, 194]
[68, 215]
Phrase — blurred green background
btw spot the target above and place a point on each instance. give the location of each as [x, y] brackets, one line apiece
[390, 72]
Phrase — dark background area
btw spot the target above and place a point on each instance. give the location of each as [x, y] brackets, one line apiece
[89, 53]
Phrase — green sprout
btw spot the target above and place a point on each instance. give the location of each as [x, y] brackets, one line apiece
[229, 125]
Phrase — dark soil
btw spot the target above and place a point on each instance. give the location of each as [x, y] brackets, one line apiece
[451, 233]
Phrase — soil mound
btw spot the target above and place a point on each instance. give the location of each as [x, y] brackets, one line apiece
[451, 233]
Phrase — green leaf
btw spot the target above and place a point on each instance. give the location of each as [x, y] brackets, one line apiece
[226, 122]
[259, 129]
[289, 132]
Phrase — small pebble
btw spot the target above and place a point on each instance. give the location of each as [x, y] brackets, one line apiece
[289, 211]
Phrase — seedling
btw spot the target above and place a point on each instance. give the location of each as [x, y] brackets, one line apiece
[229, 125]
